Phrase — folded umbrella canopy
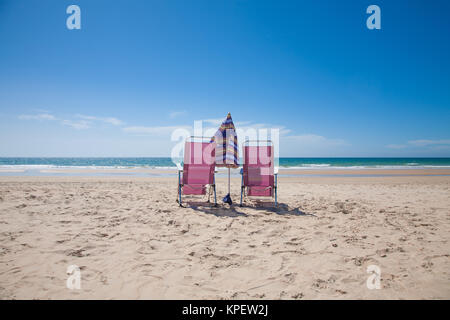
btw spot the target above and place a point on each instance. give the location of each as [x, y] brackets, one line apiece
[227, 154]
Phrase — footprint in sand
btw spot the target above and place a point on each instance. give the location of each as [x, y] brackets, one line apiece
[77, 253]
[297, 295]
[383, 252]
[427, 265]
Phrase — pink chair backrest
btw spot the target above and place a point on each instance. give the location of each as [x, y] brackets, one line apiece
[258, 166]
[199, 163]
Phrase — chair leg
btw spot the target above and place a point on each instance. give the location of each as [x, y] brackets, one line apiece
[179, 189]
[275, 197]
[214, 189]
[179, 194]
[242, 188]
[276, 187]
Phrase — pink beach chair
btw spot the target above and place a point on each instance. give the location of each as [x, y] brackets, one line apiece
[259, 177]
[198, 169]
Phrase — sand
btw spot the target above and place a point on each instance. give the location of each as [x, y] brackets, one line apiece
[132, 241]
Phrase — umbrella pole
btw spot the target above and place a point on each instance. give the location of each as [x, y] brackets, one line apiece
[228, 180]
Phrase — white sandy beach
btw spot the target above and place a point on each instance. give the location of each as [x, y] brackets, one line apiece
[132, 240]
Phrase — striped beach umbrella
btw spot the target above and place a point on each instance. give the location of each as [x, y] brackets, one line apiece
[227, 154]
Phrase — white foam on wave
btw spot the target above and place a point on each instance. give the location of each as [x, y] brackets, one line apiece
[376, 167]
[53, 167]
[319, 166]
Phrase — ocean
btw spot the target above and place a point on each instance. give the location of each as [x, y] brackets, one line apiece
[11, 163]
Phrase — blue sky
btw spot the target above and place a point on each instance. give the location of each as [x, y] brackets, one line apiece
[138, 69]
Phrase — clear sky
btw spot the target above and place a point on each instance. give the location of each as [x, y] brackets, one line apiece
[138, 69]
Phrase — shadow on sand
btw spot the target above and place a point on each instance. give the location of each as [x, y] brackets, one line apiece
[221, 210]
[224, 210]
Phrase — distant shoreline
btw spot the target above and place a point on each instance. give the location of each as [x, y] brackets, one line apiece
[172, 172]
[164, 167]
[32, 164]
